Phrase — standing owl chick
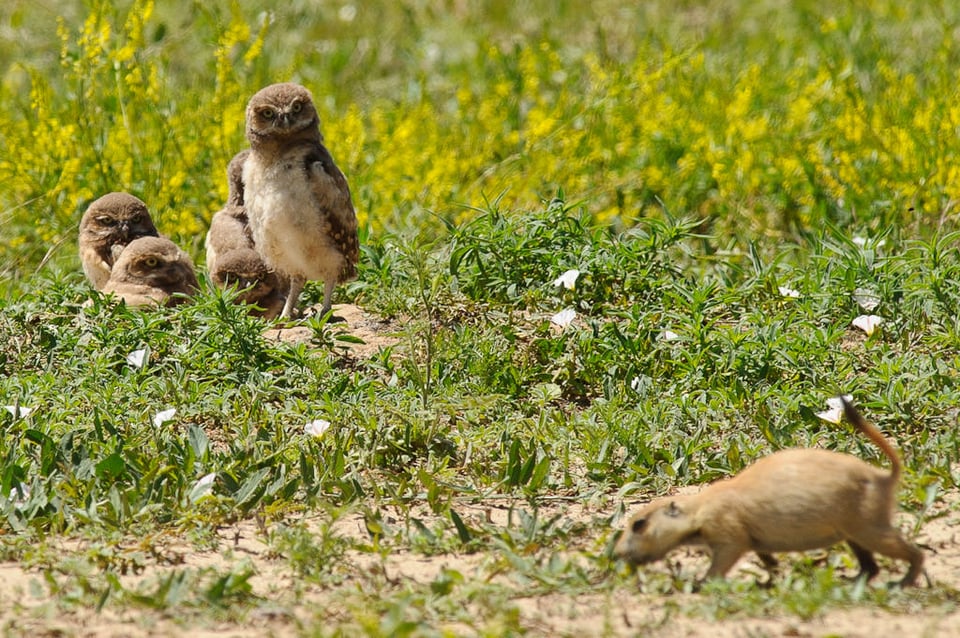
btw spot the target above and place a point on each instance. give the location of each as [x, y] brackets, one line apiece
[149, 271]
[297, 200]
[110, 223]
[258, 285]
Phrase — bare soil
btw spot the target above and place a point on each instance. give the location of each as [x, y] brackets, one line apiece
[374, 332]
[25, 606]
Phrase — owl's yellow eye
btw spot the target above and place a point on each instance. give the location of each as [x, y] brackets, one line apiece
[297, 106]
[268, 113]
[150, 262]
[106, 221]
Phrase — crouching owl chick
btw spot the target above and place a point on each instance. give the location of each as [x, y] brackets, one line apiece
[297, 200]
[149, 271]
[258, 285]
[110, 223]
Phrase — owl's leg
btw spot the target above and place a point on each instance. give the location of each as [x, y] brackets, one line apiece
[293, 295]
[328, 285]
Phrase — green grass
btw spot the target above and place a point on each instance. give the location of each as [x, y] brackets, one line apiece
[691, 163]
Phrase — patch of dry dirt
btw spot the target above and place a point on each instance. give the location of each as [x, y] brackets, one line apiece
[25, 609]
[374, 331]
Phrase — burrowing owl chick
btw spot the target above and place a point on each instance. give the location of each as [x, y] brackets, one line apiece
[149, 271]
[231, 258]
[258, 285]
[229, 228]
[110, 223]
[297, 200]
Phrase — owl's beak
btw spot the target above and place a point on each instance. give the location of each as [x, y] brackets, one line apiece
[285, 120]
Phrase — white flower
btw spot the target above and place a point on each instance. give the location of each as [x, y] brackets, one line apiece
[564, 318]
[866, 298]
[18, 411]
[347, 12]
[834, 411]
[788, 292]
[203, 487]
[832, 415]
[137, 358]
[19, 496]
[163, 416]
[568, 279]
[868, 323]
[669, 335]
[837, 402]
[316, 428]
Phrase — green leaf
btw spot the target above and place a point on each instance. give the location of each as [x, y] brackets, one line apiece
[462, 530]
[199, 442]
[540, 473]
[249, 487]
[110, 467]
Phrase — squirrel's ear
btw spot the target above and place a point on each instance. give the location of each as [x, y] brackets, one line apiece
[672, 509]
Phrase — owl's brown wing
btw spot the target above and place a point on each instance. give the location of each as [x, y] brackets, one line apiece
[235, 178]
[229, 230]
[332, 193]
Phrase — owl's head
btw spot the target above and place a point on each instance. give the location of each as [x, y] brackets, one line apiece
[245, 269]
[116, 218]
[155, 262]
[282, 112]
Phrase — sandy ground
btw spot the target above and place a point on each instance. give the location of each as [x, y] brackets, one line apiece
[27, 607]
[374, 332]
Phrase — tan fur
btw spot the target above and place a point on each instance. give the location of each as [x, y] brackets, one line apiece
[297, 200]
[107, 226]
[258, 285]
[232, 259]
[229, 227]
[793, 500]
[150, 271]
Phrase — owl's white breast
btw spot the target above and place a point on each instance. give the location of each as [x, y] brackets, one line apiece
[288, 227]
